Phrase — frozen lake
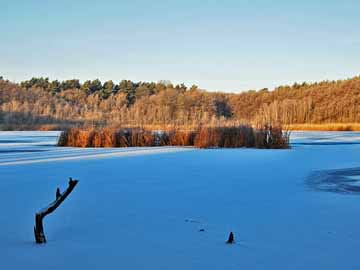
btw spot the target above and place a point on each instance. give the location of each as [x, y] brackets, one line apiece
[143, 208]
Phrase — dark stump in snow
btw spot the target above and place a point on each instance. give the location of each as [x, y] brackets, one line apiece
[230, 239]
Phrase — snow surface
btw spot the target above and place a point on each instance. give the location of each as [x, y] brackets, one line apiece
[143, 208]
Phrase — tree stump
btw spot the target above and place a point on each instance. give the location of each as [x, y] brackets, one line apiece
[39, 216]
[230, 239]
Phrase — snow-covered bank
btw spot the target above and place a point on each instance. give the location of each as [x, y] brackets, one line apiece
[20, 147]
[134, 212]
[50, 157]
[324, 138]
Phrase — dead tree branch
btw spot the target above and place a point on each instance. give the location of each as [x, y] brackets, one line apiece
[39, 216]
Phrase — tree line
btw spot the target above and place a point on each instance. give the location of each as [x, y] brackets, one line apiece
[40, 102]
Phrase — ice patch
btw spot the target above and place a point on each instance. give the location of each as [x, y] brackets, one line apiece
[339, 181]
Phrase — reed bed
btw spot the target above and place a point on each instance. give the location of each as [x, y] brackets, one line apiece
[203, 137]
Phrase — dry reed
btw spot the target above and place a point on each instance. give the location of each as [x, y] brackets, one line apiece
[203, 137]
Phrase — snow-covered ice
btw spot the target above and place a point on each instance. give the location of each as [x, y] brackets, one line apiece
[143, 208]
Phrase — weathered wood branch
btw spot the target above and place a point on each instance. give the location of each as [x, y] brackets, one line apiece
[39, 216]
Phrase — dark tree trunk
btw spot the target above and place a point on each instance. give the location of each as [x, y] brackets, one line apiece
[39, 216]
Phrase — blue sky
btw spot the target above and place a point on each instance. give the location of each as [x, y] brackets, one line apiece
[223, 45]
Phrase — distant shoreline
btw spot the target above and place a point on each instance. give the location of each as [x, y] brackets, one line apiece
[324, 127]
[355, 127]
